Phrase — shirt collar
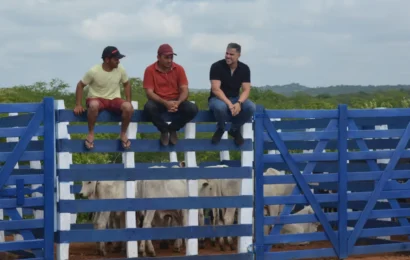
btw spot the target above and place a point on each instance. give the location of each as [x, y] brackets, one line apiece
[157, 68]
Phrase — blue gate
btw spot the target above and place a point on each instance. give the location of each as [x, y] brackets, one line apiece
[340, 161]
[34, 119]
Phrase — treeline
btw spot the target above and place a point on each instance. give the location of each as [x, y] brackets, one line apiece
[269, 99]
[294, 88]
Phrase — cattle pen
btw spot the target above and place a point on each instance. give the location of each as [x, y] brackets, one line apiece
[348, 169]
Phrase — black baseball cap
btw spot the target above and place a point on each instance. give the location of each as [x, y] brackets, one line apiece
[112, 52]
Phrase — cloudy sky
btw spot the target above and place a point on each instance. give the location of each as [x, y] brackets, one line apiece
[312, 42]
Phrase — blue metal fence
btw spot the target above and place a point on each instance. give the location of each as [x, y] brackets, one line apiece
[346, 158]
[37, 234]
[347, 165]
[140, 171]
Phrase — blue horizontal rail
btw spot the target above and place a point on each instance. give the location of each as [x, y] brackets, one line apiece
[333, 156]
[355, 196]
[26, 244]
[333, 177]
[26, 156]
[66, 115]
[21, 224]
[308, 218]
[19, 131]
[77, 146]
[153, 174]
[132, 234]
[142, 129]
[332, 144]
[75, 206]
[28, 202]
[19, 107]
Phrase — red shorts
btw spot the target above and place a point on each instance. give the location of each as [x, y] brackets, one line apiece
[113, 105]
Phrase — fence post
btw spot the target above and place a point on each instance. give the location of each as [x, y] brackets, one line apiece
[64, 159]
[130, 186]
[224, 155]
[49, 177]
[190, 161]
[173, 156]
[342, 190]
[258, 226]
[245, 215]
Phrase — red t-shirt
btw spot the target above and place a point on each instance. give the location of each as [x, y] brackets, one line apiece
[165, 84]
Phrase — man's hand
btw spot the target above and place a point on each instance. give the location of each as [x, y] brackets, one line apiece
[171, 106]
[78, 109]
[175, 105]
[230, 106]
[236, 108]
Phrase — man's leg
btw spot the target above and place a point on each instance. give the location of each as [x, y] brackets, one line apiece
[94, 106]
[186, 112]
[247, 111]
[222, 115]
[126, 110]
[153, 111]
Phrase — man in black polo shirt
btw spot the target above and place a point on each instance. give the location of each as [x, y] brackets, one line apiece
[225, 101]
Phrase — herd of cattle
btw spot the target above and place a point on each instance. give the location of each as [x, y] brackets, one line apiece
[168, 218]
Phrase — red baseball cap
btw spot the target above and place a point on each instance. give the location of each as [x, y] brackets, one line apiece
[166, 49]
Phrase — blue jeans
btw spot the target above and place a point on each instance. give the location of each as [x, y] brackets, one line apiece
[223, 114]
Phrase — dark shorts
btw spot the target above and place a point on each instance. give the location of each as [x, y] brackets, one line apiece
[113, 105]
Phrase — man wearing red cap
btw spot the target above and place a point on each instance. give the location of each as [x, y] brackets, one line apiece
[104, 81]
[166, 86]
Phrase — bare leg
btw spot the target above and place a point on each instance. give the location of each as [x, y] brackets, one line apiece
[126, 112]
[92, 115]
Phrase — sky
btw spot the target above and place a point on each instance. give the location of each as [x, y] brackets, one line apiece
[311, 42]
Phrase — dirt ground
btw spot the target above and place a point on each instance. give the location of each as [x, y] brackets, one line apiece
[83, 251]
[88, 251]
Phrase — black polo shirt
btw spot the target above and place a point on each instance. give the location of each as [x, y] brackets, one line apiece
[230, 84]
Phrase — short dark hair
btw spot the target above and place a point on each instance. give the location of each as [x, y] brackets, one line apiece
[233, 45]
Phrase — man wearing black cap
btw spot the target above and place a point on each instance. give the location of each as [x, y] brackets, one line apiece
[104, 81]
[166, 86]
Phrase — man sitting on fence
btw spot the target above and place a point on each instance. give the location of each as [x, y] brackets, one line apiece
[227, 76]
[104, 93]
[166, 86]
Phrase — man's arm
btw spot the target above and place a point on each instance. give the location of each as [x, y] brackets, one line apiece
[246, 86]
[86, 80]
[183, 85]
[127, 90]
[151, 95]
[79, 93]
[126, 83]
[215, 79]
[149, 85]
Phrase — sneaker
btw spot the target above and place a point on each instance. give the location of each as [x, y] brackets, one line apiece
[237, 136]
[173, 137]
[216, 138]
[164, 138]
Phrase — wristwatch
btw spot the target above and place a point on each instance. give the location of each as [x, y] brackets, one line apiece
[240, 103]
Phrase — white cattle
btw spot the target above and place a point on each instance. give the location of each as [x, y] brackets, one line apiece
[100, 220]
[162, 189]
[301, 228]
[208, 188]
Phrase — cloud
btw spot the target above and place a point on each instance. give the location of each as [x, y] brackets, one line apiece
[282, 41]
[216, 43]
[148, 24]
